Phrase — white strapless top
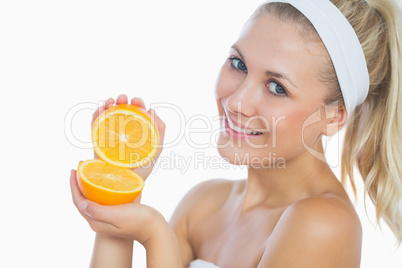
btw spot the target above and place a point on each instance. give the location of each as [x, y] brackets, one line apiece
[202, 264]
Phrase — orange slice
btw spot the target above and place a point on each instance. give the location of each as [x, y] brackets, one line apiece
[107, 184]
[124, 136]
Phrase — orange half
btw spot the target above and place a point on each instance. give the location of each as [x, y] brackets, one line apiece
[124, 136]
[107, 184]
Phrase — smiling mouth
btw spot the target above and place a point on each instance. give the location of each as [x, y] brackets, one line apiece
[242, 130]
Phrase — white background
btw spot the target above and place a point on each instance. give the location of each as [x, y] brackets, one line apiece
[55, 55]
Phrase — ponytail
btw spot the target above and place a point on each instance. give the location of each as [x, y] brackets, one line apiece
[373, 139]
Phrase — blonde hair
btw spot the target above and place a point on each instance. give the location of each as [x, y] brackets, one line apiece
[373, 139]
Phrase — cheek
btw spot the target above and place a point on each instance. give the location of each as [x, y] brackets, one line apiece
[286, 133]
[298, 130]
[286, 123]
[226, 83]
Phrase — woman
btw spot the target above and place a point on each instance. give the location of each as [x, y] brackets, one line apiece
[299, 70]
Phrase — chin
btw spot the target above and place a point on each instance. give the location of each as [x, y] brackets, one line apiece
[233, 156]
[241, 157]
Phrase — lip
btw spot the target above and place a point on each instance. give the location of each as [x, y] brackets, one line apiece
[237, 135]
[237, 124]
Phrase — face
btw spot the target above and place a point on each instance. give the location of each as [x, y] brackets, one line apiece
[269, 88]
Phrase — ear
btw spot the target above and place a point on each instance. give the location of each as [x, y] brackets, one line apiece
[335, 119]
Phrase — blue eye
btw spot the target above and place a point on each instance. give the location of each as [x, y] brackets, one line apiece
[276, 89]
[238, 64]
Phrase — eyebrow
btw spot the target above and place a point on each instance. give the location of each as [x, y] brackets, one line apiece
[267, 73]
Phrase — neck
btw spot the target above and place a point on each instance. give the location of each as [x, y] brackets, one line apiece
[277, 187]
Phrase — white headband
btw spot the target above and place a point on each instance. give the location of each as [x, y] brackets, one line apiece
[342, 45]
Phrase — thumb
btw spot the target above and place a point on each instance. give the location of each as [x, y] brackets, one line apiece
[99, 212]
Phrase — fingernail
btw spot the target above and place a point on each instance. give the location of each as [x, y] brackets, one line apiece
[83, 207]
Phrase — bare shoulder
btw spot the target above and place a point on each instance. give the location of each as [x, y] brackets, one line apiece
[325, 210]
[195, 206]
[321, 231]
[206, 196]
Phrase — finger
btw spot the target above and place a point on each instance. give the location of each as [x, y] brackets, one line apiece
[160, 125]
[82, 203]
[106, 214]
[121, 99]
[102, 227]
[102, 108]
[97, 113]
[138, 102]
[76, 194]
[109, 103]
[99, 226]
[157, 120]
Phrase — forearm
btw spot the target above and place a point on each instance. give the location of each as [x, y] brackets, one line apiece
[162, 249]
[111, 252]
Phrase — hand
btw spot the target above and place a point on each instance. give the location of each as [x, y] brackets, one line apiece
[160, 125]
[131, 221]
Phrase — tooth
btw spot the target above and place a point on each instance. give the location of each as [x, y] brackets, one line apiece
[241, 130]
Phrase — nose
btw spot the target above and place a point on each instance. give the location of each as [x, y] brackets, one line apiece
[245, 99]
